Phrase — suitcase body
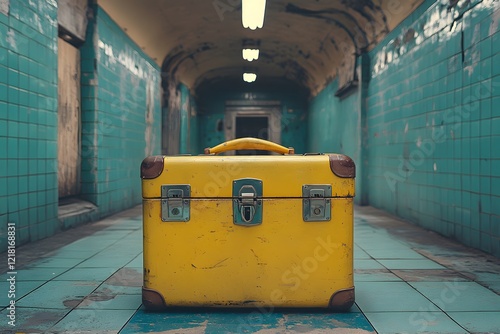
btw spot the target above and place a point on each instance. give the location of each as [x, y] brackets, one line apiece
[248, 231]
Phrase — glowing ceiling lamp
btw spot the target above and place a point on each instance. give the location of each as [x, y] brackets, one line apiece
[250, 54]
[249, 77]
[252, 13]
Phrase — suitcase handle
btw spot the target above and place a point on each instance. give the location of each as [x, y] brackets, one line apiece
[249, 143]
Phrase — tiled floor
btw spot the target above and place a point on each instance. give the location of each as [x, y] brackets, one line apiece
[408, 280]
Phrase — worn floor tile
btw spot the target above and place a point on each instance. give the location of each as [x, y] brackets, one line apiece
[20, 290]
[459, 296]
[55, 263]
[58, 294]
[390, 296]
[367, 264]
[411, 264]
[102, 300]
[374, 275]
[478, 322]
[246, 321]
[105, 261]
[85, 244]
[494, 286]
[119, 289]
[136, 262]
[391, 254]
[376, 241]
[36, 274]
[429, 275]
[32, 320]
[72, 254]
[86, 274]
[126, 277]
[413, 323]
[82, 320]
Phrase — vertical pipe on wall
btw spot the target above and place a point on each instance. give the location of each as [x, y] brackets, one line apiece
[362, 175]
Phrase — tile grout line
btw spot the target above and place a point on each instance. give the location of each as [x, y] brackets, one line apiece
[73, 267]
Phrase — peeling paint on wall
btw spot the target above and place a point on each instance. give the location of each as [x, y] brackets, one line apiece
[149, 134]
[494, 22]
[125, 58]
[4, 7]
[440, 18]
[11, 39]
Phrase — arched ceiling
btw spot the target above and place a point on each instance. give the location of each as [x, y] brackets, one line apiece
[305, 41]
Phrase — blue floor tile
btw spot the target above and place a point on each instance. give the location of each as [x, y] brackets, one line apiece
[101, 300]
[245, 321]
[36, 274]
[478, 322]
[391, 254]
[21, 289]
[367, 264]
[81, 321]
[105, 261]
[119, 289]
[94, 284]
[361, 254]
[58, 294]
[32, 320]
[72, 254]
[413, 323]
[86, 274]
[429, 275]
[56, 263]
[492, 285]
[136, 262]
[376, 275]
[459, 296]
[390, 297]
[411, 264]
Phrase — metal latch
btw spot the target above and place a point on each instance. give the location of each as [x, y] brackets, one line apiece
[247, 202]
[175, 202]
[316, 200]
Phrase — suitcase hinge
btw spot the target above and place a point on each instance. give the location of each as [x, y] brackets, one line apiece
[316, 200]
[247, 202]
[175, 202]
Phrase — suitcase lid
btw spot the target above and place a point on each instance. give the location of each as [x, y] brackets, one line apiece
[281, 176]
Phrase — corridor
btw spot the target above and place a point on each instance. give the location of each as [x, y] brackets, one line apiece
[409, 90]
[407, 280]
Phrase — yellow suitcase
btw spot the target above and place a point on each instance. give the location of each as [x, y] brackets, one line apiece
[248, 231]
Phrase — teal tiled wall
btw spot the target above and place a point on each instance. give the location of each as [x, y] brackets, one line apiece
[188, 122]
[434, 122]
[334, 126]
[121, 115]
[28, 120]
[293, 102]
[121, 118]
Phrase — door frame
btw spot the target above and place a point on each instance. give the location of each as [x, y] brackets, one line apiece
[245, 108]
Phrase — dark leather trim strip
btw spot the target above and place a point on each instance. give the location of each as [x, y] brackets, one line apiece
[153, 300]
[342, 166]
[152, 167]
[342, 300]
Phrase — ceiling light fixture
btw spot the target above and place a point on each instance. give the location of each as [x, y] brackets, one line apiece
[252, 13]
[249, 77]
[250, 54]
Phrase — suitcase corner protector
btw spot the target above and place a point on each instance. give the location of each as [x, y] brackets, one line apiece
[152, 300]
[342, 165]
[342, 300]
[152, 167]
